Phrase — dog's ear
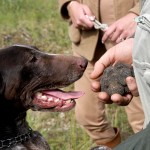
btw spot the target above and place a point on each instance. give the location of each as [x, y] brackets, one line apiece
[2, 84]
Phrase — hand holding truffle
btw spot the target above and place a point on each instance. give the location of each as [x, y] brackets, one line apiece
[113, 81]
[113, 75]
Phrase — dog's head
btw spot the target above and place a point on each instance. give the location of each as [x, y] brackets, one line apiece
[32, 79]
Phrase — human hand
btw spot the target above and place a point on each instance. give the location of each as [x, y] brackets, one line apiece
[122, 52]
[117, 98]
[78, 14]
[121, 29]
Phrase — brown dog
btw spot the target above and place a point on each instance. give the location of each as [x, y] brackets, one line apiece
[30, 79]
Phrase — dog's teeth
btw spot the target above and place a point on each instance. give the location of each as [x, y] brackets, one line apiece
[72, 100]
[43, 97]
[57, 100]
[38, 95]
[50, 99]
[68, 101]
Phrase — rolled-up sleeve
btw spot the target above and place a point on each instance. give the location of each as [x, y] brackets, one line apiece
[63, 9]
[135, 9]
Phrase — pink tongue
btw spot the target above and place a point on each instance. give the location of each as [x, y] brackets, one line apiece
[64, 95]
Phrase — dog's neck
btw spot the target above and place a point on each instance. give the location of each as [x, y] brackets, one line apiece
[14, 131]
[8, 142]
[13, 120]
[13, 126]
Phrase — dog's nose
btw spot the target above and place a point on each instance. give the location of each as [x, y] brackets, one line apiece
[83, 63]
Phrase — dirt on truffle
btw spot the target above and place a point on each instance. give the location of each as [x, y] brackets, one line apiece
[113, 79]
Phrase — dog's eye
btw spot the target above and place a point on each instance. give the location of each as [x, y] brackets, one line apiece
[33, 59]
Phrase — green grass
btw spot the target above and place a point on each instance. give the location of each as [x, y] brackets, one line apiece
[28, 22]
[38, 23]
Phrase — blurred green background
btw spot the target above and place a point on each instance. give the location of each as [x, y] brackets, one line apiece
[38, 23]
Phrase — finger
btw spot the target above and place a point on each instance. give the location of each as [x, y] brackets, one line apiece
[105, 98]
[121, 100]
[84, 22]
[120, 39]
[95, 86]
[87, 10]
[102, 63]
[98, 70]
[127, 99]
[123, 36]
[108, 33]
[116, 35]
[131, 83]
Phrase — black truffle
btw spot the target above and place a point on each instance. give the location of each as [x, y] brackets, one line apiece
[113, 79]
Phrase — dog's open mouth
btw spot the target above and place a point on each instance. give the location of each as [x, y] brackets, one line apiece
[56, 100]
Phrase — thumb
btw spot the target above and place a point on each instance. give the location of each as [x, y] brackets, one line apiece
[101, 64]
[131, 83]
[98, 70]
